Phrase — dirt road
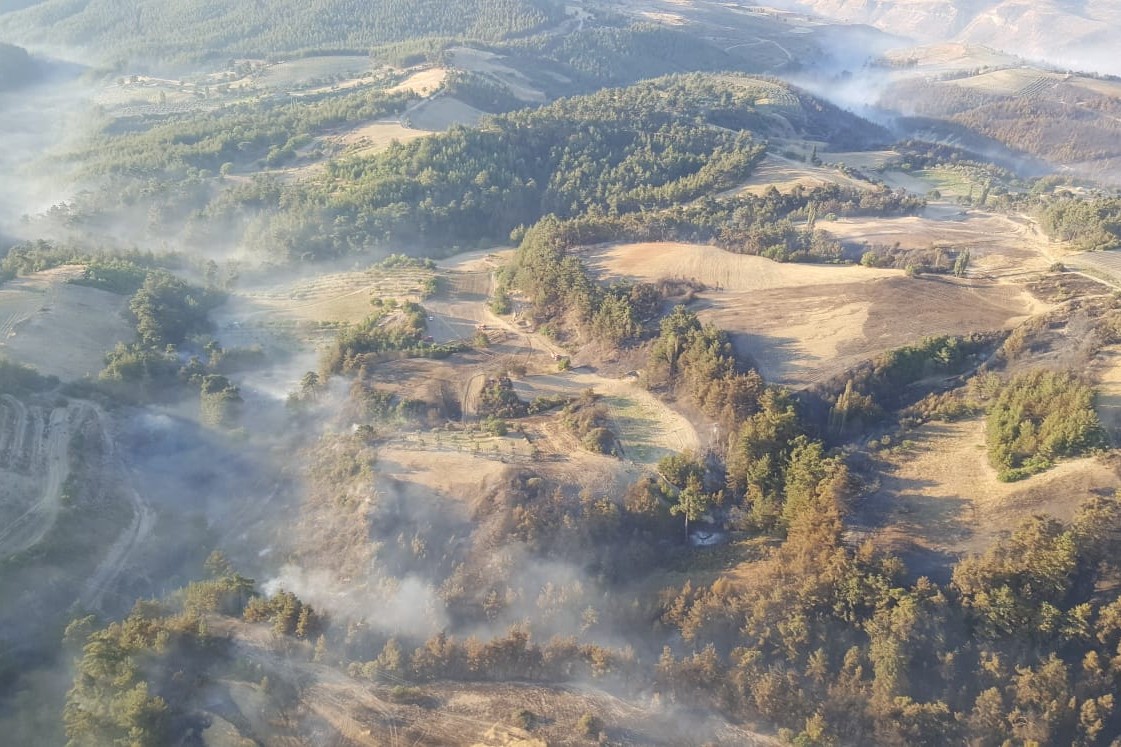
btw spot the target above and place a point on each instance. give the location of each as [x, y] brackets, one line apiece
[143, 519]
[46, 453]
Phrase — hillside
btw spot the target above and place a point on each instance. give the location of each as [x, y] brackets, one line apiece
[513, 373]
[17, 68]
[622, 150]
[151, 32]
[1065, 32]
[984, 102]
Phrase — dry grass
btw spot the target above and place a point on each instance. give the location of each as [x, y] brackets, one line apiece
[80, 323]
[800, 336]
[449, 465]
[646, 426]
[375, 137]
[335, 297]
[803, 323]
[1005, 246]
[785, 174]
[719, 269]
[1106, 370]
[353, 711]
[422, 82]
[939, 498]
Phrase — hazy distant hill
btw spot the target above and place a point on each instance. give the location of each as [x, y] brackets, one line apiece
[17, 68]
[1067, 32]
[154, 30]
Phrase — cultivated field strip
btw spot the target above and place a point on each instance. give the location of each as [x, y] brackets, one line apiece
[41, 450]
[387, 282]
[1106, 264]
[1037, 87]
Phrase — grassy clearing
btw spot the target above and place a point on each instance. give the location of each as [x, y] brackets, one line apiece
[939, 496]
[337, 297]
[716, 268]
[422, 82]
[949, 182]
[375, 137]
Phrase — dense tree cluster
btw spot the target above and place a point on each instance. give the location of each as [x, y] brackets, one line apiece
[591, 424]
[561, 289]
[830, 644]
[846, 405]
[697, 361]
[134, 677]
[168, 310]
[17, 379]
[598, 56]
[220, 401]
[618, 150]
[392, 330]
[499, 399]
[1086, 223]
[1038, 417]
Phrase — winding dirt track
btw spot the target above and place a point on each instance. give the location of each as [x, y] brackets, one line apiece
[119, 554]
[35, 442]
[49, 455]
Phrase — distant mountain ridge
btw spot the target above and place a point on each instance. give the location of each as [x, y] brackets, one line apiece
[155, 31]
[1069, 33]
[17, 67]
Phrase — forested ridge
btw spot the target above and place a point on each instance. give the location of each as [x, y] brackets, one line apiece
[151, 33]
[266, 130]
[618, 151]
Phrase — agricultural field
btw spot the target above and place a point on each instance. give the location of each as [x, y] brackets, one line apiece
[439, 113]
[1103, 265]
[375, 137]
[329, 298]
[81, 323]
[784, 174]
[1001, 247]
[802, 324]
[301, 73]
[422, 82]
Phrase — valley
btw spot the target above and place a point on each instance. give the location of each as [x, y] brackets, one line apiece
[515, 373]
